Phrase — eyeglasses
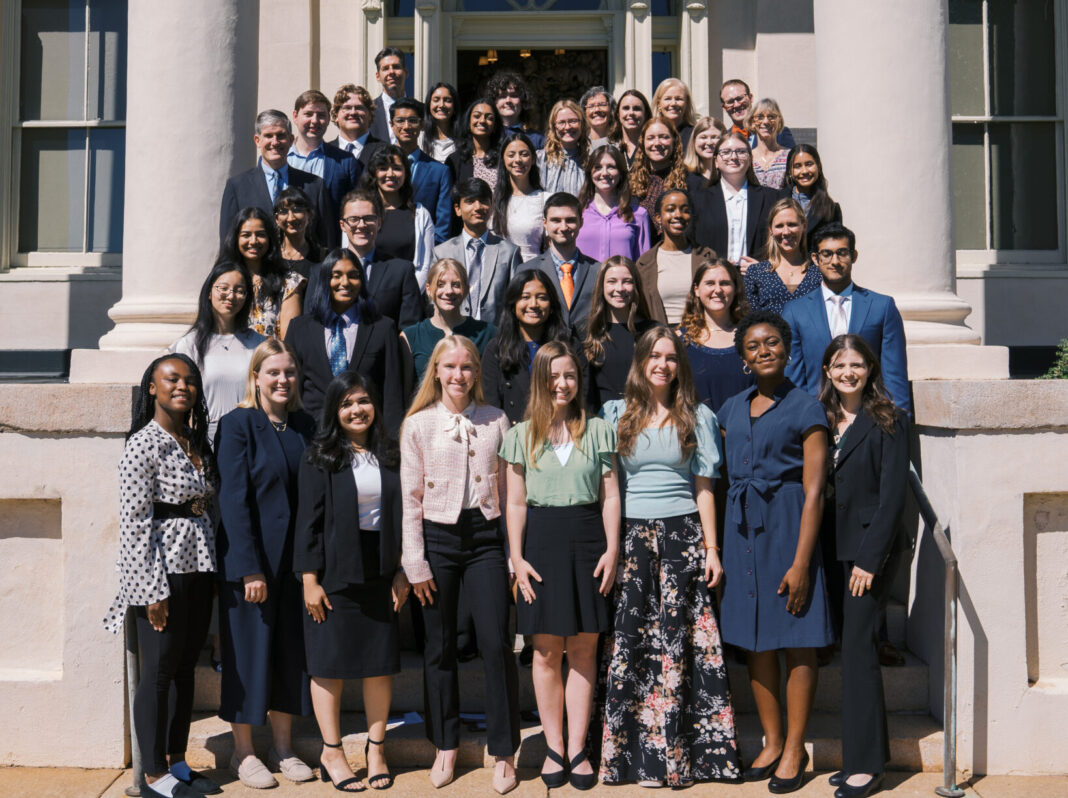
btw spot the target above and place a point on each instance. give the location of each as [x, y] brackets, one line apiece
[733, 155]
[356, 221]
[733, 101]
[827, 255]
[236, 293]
[567, 124]
[765, 117]
[597, 106]
[407, 121]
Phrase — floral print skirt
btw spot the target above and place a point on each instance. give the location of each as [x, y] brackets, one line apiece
[667, 714]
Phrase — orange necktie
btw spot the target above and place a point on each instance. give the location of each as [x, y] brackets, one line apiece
[567, 284]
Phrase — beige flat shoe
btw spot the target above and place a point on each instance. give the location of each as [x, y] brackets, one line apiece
[292, 767]
[253, 773]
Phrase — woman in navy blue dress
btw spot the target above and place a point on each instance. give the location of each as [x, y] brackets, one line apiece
[787, 273]
[775, 596]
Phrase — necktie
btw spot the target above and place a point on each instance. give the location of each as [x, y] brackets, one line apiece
[841, 322]
[339, 360]
[567, 284]
[474, 274]
[273, 178]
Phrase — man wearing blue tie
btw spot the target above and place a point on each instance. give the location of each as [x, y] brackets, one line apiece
[842, 306]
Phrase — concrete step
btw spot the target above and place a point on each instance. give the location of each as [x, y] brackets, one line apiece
[915, 742]
[905, 687]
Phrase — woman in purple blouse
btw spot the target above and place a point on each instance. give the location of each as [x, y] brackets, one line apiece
[612, 223]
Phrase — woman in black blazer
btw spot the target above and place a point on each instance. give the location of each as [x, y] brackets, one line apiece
[806, 183]
[732, 170]
[870, 461]
[325, 343]
[260, 445]
[347, 552]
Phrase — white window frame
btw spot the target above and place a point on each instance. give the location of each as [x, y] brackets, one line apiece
[11, 128]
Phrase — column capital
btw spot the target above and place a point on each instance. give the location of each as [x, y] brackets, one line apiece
[638, 8]
[373, 9]
[696, 8]
[427, 8]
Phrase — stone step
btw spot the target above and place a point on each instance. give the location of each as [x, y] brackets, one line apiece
[905, 687]
[915, 742]
[897, 615]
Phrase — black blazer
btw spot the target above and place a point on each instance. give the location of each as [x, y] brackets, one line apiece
[327, 537]
[510, 391]
[812, 219]
[375, 356]
[870, 479]
[710, 227]
[380, 124]
[392, 286]
[257, 497]
[583, 274]
[249, 189]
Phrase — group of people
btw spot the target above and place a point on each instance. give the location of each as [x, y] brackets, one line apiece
[448, 357]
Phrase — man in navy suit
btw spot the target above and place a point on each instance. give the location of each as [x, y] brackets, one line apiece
[353, 112]
[259, 186]
[841, 306]
[309, 153]
[431, 181]
[572, 274]
[391, 74]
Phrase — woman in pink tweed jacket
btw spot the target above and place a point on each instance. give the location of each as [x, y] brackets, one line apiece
[452, 484]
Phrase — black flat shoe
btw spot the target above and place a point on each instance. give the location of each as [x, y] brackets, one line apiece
[864, 790]
[783, 786]
[558, 779]
[582, 781]
[201, 783]
[760, 774]
[838, 779]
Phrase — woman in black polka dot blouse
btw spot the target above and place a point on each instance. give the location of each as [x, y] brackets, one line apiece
[166, 561]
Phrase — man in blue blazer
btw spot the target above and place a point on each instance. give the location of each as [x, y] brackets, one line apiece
[841, 306]
[259, 186]
[309, 153]
[431, 181]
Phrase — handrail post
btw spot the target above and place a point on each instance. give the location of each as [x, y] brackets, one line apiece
[133, 675]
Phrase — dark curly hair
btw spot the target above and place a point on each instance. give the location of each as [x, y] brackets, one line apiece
[756, 317]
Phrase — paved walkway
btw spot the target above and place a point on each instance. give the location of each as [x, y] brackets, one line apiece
[75, 783]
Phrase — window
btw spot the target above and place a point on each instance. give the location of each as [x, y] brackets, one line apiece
[1007, 126]
[69, 138]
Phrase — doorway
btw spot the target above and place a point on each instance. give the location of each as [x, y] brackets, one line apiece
[550, 75]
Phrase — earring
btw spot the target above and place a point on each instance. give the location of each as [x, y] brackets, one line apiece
[746, 370]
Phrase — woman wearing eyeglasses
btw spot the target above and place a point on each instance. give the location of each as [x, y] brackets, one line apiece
[769, 156]
[566, 146]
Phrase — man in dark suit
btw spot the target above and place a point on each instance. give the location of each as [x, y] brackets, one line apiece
[390, 282]
[573, 275]
[490, 260]
[391, 74]
[259, 186]
[841, 306]
[309, 153]
[431, 181]
[352, 112]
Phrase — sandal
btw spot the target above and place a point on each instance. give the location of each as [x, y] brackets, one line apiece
[344, 785]
[383, 781]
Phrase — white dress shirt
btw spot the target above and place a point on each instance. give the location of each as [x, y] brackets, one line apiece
[355, 146]
[839, 309]
[368, 490]
[737, 203]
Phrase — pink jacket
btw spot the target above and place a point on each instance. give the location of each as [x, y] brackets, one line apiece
[435, 469]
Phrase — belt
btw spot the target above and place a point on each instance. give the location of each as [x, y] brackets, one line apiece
[194, 508]
[747, 501]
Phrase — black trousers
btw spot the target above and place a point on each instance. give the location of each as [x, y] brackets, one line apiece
[467, 558]
[170, 658]
[865, 738]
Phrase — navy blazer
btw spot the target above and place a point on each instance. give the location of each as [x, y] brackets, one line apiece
[380, 123]
[432, 188]
[392, 286]
[371, 145]
[341, 173]
[870, 477]
[584, 275]
[249, 189]
[327, 537]
[376, 355]
[874, 317]
[257, 494]
[710, 225]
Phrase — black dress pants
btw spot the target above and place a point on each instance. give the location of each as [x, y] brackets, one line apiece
[170, 657]
[865, 738]
[467, 558]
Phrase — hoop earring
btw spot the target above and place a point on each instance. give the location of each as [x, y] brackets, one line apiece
[746, 370]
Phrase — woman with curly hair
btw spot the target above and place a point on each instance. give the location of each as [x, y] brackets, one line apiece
[407, 229]
[567, 145]
[668, 718]
[659, 166]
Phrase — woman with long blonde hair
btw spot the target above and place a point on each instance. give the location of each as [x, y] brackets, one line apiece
[786, 273]
[700, 151]
[567, 145]
[453, 492]
[563, 535]
[665, 627]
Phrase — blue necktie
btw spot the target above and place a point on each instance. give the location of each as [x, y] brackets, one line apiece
[339, 360]
[273, 179]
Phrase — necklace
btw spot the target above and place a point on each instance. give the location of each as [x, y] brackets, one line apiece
[279, 426]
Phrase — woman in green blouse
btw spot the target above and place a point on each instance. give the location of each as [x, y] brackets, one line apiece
[562, 492]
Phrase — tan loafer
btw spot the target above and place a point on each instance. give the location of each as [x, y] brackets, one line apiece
[292, 767]
[253, 773]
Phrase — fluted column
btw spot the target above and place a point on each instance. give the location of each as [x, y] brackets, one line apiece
[639, 47]
[884, 138]
[191, 91]
[695, 67]
[425, 38]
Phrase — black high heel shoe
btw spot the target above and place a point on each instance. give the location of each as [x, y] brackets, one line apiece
[558, 779]
[864, 790]
[343, 786]
[383, 781]
[761, 773]
[783, 786]
[581, 781]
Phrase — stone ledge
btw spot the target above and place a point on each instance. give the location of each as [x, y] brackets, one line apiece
[991, 404]
[65, 409]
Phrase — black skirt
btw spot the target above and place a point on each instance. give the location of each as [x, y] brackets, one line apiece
[563, 544]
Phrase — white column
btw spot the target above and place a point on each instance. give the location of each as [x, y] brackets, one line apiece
[425, 39]
[191, 63]
[884, 138]
[370, 39]
[640, 46]
[695, 63]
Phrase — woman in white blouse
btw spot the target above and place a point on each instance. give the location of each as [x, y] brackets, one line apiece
[219, 341]
[518, 197]
[453, 491]
[167, 480]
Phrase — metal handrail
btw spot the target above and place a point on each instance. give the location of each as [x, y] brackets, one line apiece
[949, 788]
[133, 671]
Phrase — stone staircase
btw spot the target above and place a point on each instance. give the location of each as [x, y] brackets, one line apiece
[915, 737]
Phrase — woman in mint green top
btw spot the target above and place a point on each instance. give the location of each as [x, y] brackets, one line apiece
[563, 531]
[666, 650]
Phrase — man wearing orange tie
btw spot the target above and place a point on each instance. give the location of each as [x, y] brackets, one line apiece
[572, 273]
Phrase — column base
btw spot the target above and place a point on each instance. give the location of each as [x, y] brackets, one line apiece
[111, 366]
[948, 361]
